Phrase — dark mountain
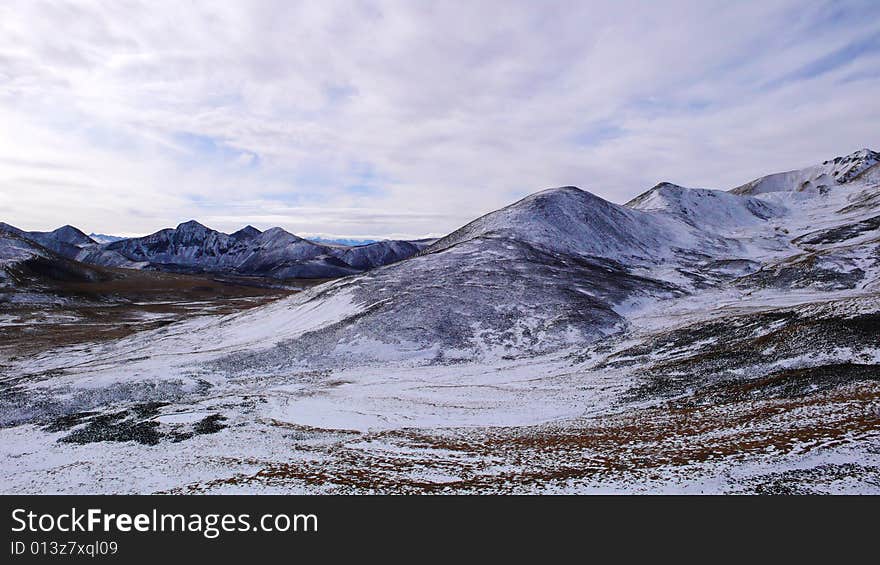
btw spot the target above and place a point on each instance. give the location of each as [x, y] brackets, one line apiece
[247, 232]
[30, 272]
[192, 247]
[66, 240]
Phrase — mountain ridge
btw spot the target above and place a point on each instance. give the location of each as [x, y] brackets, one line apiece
[814, 179]
[564, 266]
[194, 247]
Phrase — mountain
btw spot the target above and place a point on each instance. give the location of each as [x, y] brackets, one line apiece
[192, 247]
[572, 221]
[71, 243]
[349, 242]
[28, 270]
[104, 238]
[692, 339]
[367, 256]
[816, 179]
[546, 272]
[564, 266]
[247, 232]
[709, 210]
[66, 240]
[189, 244]
[15, 250]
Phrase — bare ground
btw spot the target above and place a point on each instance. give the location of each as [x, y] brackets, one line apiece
[125, 302]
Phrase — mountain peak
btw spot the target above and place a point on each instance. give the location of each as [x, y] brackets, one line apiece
[567, 220]
[71, 234]
[559, 189]
[556, 192]
[863, 153]
[860, 156]
[276, 231]
[246, 232]
[276, 234]
[666, 185]
[817, 179]
[191, 225]
[563, 196]
[4, 227]
[643, 200]
[105, 238]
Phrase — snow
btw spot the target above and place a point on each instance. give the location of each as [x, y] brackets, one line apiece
[804, 183]
[710, 210]
[546, 319]
[274, 252]
[14, 250]
[513, 393]
[574, 222]
[105, 238]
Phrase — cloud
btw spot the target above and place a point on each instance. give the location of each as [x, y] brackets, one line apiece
[412, 118]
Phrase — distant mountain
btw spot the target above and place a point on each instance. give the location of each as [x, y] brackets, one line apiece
[349, 242]
[104, 238]
[700, 232]
[193, 247]
[66, 240]
[28, 269]
[247, 232]
[366, 257]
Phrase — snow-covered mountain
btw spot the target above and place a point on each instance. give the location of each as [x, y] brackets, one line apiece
[379, 253]
[66, 240]
[571, 221]
[105, 238]
[709, 210]
[15, 249]
[349, 242]
[273, 253]
[816, 179]
[563, 266]
[693, 338]
[28, 268]
[558, 267]
[192, 247]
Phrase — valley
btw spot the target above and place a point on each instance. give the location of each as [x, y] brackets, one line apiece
[125, 302]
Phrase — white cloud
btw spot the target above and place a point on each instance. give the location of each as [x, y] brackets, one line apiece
[377, 118]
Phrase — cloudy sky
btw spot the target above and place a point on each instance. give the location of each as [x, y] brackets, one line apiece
[411, 118]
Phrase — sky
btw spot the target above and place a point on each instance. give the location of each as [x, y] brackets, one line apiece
[407, 119]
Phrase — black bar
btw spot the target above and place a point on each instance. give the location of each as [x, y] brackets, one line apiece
[364, 526]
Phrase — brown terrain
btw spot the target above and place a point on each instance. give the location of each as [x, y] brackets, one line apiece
[123, 301]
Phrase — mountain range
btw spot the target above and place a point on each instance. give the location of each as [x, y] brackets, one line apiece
[564, 266]
[194, 248]
[499, 276]
[690, 340]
